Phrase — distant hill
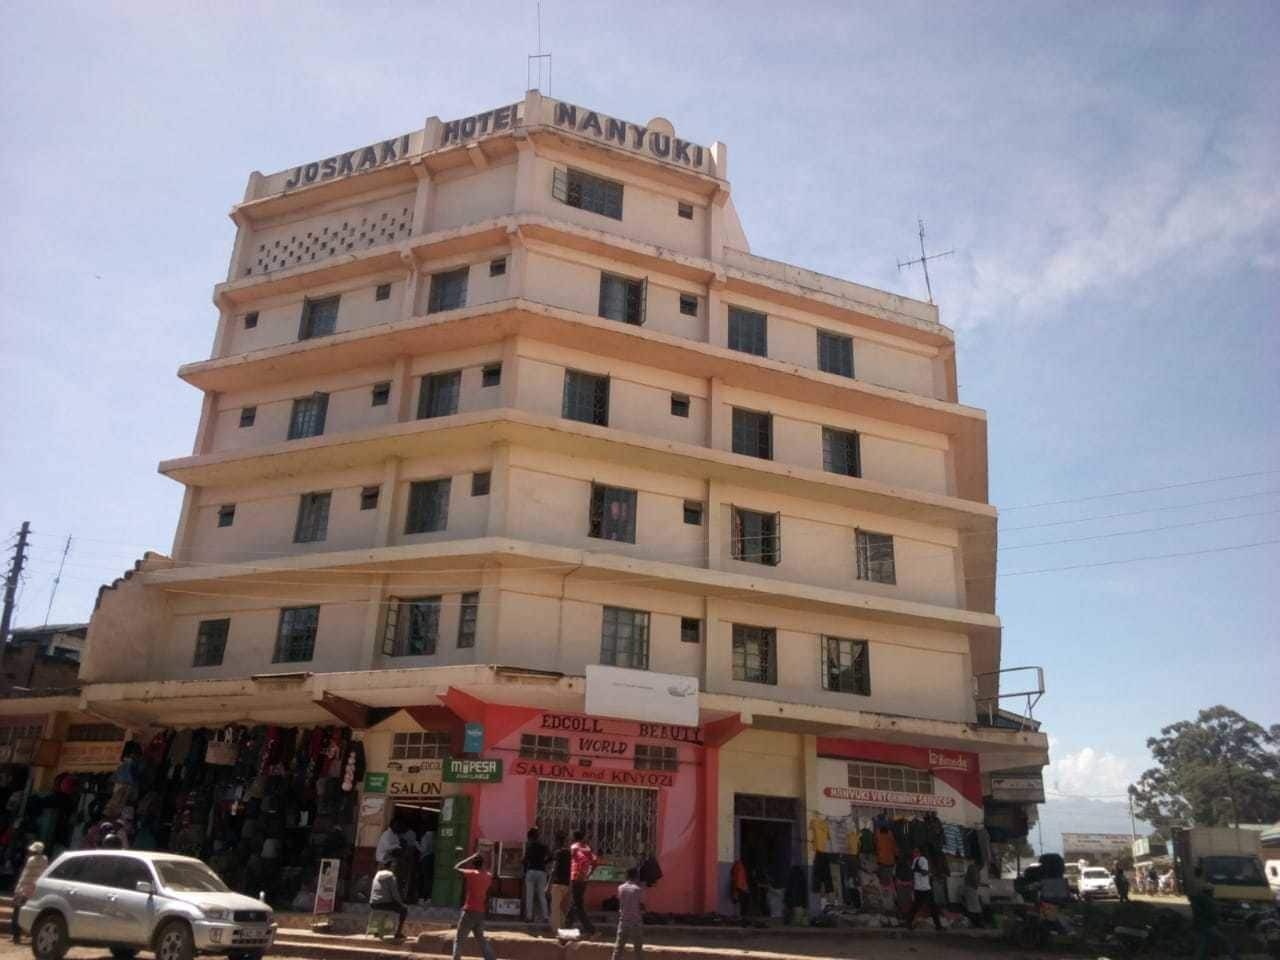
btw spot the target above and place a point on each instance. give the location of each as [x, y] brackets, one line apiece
[1059, 815]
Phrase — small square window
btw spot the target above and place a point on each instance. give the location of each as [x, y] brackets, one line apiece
[689, 304]
[679, 405]
[226, 514]
[369, 498]
[382, 292]
[480, 484]
[685, 210]
[693, 513]
[381, 393]
[690, 630]
[491, 375]
[498, 268]
[248, 415]
[251, 320]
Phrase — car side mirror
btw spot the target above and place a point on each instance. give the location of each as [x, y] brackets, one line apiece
[142, 886]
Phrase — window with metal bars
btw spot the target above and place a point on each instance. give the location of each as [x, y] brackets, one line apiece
[755, 654]
[421, 745]
[9, 735]
[480, 483]
[846, 666]
[652, 757]
[883, 776]
[841, 452]
[296, 634]
[621, 823]
[577, 189]
[756, 537]
[624, 638]
[468, 614]
[448, 290]
[412, 628]
[753, 433]
[313, 518]
[211, 642]
[748, 331]
[308, 416]
[438, 394]
[612, 513]
[835, 353]
[319, 318]
[537, 747]
[428, 506]
[875, 557]
[622, 298]
[586, 398]
[226, 514]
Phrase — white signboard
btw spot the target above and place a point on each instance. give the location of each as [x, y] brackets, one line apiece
[1026, 788]
[642, 695]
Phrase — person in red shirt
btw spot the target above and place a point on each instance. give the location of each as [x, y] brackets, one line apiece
[582, 860]
[476, 880]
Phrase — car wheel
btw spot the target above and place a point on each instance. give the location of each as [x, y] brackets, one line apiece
[49, 938]
[173, 942]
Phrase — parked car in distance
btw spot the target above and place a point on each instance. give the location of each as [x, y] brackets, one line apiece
[1097, 882]
[132, 900]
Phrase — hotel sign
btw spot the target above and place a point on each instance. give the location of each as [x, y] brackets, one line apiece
[345, 164]
[599, 126]
[891, 798]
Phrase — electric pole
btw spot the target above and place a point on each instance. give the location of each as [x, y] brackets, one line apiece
[11, 584]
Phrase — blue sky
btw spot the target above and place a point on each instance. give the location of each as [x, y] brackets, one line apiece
[1107, 177]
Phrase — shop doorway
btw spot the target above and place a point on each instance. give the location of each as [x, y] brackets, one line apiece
[417, 868]
[768, 835]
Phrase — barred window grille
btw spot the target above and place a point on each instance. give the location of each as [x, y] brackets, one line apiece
[621, 823]
[438, 395]
[420, 745]
[537, 747]
[883, 776]
[624, 638]
[622, 298]
[875, 557]
[653, 757]
[308, 415]
[846, 666]
[296, 636]
[835, 353]
[211, 642]
[467, 617]
[586, 398]
[448, 290]
[319, 318]
[577, 189]
[752, 433]
[757, 537]
[755, 655]
[96, 732]
[612, 513]
[313, 518]
[412, 628]
[759, 807]
[748, 331]
[841, 452]
[12, 734]
[428, 506]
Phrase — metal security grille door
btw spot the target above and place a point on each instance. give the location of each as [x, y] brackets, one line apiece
[620, 822]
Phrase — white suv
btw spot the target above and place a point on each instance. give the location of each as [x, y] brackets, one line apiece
[1097, 882]
[129, 900]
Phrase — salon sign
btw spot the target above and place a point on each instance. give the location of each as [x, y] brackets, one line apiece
[891, 798]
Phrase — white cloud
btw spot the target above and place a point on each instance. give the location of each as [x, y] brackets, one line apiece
[1088, 773]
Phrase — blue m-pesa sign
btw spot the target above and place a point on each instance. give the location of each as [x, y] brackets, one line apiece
[473, 738]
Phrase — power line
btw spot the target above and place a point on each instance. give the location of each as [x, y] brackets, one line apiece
[1125, 493]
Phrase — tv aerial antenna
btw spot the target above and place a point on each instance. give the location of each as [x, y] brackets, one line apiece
[536, 62]
[924, 259]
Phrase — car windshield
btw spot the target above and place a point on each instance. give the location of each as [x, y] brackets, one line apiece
[1237, 871]
[1097, 873]
[189, 876]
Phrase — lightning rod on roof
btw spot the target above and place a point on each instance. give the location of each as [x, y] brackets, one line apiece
[538, 60]
[924, 259]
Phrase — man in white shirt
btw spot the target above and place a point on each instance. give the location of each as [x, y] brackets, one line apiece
[389, 845]
[923, 890]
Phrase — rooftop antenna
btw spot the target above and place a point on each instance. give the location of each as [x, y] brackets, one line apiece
[539, 59]
[57, 580]
[924, 260]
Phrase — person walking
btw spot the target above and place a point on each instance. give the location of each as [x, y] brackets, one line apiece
[630, 916]
[1122, 883]
[582, 860]
[561, 865]
[25, 888]
[923, 890]
[1204, 922]
[384, 894]
[536, 855]
[973, 894]
[477, 881]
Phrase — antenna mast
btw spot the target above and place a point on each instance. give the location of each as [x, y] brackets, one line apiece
[923, 260]
[539, 58]
[57, 580]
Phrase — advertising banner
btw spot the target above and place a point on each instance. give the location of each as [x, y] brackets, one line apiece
[642, 695]
[327, 886]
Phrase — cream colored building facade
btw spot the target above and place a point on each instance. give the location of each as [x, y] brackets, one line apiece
[508, 396]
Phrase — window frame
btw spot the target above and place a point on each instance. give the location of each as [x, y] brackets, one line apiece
[498, 267]
[540, 746]
[380, 394]
[687, 298]
[894, 777]
[766, 671]
[420, 513]
[636, 623]
[211, 639]
[369, 497]
[852, 454]
[684, 210]
[381, 292]
[468, 619]
[316, 321]
[441, 296]
[409, 746]
[632, 295]
[439, 394]
[586, 191]
[248, 416]
[312, 523]
[577, 385]
[853, 677]
[491, 375]
[680, 405]
[835, 353]
[742, 541]
[751, 432]
[600, 524]
[871, 568]
[307, 418]
[406, 615]
[690, 625]
[227, 515]
[251, 320]
[695, 509]
[481, 482]
[304, 633]
[753, 339]
[655, 756]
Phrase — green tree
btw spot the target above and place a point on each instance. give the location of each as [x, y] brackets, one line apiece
[1217, 770]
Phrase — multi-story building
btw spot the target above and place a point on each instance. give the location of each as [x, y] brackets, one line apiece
[508, 397]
